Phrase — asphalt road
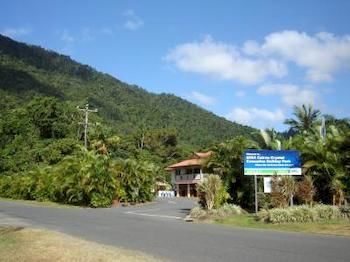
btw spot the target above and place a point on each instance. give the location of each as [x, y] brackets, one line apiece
[159, 229]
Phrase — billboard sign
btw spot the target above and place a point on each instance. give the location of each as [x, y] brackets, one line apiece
[272, 162]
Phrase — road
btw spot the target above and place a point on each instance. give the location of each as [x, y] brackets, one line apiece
[159, 229]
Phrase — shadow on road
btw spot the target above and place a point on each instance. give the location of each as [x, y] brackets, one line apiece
[185, 211]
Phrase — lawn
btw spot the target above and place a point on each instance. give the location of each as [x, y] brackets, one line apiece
[39, 203]
[23, 244]
[336, 227]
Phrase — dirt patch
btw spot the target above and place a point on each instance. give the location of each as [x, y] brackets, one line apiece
[24, 244]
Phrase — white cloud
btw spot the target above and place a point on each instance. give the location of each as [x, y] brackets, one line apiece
[322, 54]
[257, 117]
[16, 32]
[67, 37]
[291, 94]
[240, 94]
[68, 40]
[223, 61]
[106, 31]
[201, 98]
[133, 22]
[251, 47]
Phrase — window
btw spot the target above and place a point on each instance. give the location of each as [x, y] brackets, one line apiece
[189, 171]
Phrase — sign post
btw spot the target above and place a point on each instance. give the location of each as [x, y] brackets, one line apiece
[256, 194]
[269, 163]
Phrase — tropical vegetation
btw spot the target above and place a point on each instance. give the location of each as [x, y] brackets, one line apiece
[28, 71]
[136, 134]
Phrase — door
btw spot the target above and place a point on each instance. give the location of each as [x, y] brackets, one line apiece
[183, 190]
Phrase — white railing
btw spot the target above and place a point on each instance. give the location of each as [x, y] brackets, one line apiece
[166, 194]
[188, 177]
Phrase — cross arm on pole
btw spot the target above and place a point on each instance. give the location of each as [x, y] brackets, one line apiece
[86, 110]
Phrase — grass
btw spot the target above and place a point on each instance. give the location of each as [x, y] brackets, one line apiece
[23, 244]
[55, 204]
[39, 203]
[335, 227]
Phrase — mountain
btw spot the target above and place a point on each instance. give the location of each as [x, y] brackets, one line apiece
[27, 71]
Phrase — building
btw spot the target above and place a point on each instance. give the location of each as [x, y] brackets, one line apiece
[186, 174]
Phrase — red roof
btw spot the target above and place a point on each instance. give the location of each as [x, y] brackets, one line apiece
[197, 160]
[203, 154]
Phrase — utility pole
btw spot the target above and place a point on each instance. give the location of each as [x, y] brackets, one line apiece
[86, 110]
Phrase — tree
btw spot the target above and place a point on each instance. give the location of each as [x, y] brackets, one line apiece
[306, 119]
[341, 124]
[227, 162]
[52, 118]
[323, 161]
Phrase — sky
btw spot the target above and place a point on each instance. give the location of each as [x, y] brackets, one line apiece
[248, 61]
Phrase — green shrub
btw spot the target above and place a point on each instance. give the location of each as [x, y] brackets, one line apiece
[135, 180]
[264, 200]
[327, 212]
[198, 213]
[301, 214]
[99, 200]
[83, 179]
[225, 210]
[42, 183]
[212, 193]
[86, 179]
[221, 197]
[345, 211]
[5, 186]
[230, 209]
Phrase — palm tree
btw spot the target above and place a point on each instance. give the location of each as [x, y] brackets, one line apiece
[341, 124]
[269, 137]
[323, 161]
[306, 119]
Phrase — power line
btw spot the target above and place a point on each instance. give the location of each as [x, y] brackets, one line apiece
[86, 110]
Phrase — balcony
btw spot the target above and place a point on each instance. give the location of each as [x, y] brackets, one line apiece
[187, 177]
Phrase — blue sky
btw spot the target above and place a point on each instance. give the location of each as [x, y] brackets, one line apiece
[248, 61]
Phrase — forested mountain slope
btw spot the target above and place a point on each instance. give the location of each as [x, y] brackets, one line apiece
[27, 71]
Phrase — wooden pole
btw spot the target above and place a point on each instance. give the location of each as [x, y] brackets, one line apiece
[86, 110]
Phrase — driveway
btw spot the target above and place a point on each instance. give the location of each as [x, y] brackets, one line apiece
[158, 229]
